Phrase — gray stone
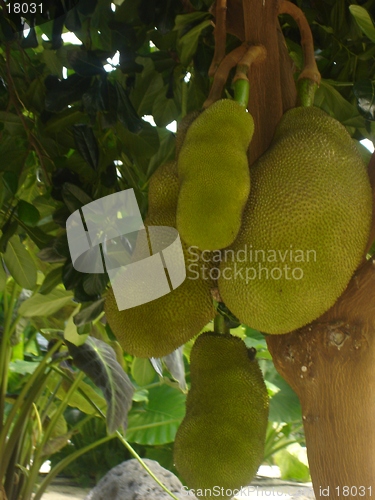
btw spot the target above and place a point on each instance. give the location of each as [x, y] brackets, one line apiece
[130, 481]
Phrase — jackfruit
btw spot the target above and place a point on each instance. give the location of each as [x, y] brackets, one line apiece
[157, 328]
[305, 226]
[214, 175]
[183, 127]
[220, 442]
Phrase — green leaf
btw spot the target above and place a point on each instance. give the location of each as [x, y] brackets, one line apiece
[87, 144]
[364, 21]
[45, 305]
[291, 467]
[187, 44]
[95, 283]
[148, 87]
[51, 281]
[98, 361]
[157, 422]
[71, 333]
[12, 123]
[332, 102]
[285, 405]
[8, 230]
[28, 213]
[23, 367]
[52, 62]
[74, 197]
[20, 263]
[143, 144]
[164, 110]
[89, 313]
[174, 363]
[39, 237]
[142, 371]
[77, 400]
[3, 276]
[10, 181]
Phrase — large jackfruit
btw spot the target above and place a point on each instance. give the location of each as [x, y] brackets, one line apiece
[214, 175]
[157, 328]
[220, 443]
[305, 227]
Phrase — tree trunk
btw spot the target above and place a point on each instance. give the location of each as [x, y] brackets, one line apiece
[330, 363]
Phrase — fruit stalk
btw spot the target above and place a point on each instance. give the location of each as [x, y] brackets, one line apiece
[310, 70]
[241, 84]
[222, 73]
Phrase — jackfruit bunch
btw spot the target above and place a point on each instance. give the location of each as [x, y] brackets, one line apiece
[157, 328]
[220, 443]
[304, 229]
[214, 175]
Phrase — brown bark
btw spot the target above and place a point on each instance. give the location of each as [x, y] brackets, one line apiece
[330, 365]
[331, 362]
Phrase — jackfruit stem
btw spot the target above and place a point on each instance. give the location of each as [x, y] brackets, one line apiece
[306, 92]
[310, 70]
[256, 53]
[220, 325]
[222, 73]
[241, 92]
[220, 36]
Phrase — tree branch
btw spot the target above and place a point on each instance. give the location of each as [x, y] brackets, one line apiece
[220, 36]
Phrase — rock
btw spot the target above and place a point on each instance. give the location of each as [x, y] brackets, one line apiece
[130, 481]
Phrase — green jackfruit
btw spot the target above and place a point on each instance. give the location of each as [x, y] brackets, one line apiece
[157, 328]
[220, 442]
[214, 175]
[183, 127]
[305, 226]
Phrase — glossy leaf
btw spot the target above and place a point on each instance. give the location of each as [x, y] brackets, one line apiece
[174, 363]
[3, 276]
[142, 371]
[158, 421]
[20, 263]
[86, 144]
[77, 400]
[45, 305]
[28, 213]
[10, 181]
[52, 279]
[74, 197]
[89, 313]
[98, 360]
[364, 21]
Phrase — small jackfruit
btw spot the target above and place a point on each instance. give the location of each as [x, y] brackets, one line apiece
[214, 175]
[220, 443]
[305, 226]
[157, 328]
